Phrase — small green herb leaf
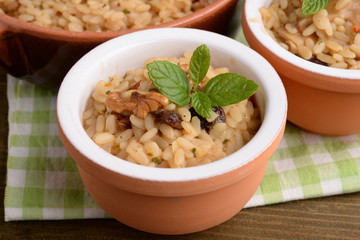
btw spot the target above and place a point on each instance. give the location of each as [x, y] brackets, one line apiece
[108, 92]
[125, 11]
[201, 104]
[313, 6]
[229, 88]
[199, 64]
[156, 160]
[193, 150]
[171, 81]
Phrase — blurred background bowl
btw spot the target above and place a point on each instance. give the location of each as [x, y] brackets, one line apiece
[44, 55]
[160, 200]
[322, 99]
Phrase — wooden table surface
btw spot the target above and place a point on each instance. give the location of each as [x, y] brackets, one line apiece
[335, 217]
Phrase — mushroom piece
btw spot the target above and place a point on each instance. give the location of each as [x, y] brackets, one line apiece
[122, 122]
[139, 104]
[170, 118]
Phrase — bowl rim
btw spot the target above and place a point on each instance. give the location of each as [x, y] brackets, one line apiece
[68, 115]
[17, 25]
[255, 24]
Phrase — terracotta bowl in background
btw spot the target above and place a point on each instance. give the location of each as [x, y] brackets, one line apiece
[170, 201]
[44, 55]
[322, 99]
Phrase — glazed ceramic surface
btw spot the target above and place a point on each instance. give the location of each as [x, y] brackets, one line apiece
[43, 55]
[170, 201]
[321, 99]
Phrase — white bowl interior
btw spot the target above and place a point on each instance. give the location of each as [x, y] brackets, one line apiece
[130, 51]
[253, 17]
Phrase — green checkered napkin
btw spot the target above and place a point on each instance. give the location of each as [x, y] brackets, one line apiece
[43, 181]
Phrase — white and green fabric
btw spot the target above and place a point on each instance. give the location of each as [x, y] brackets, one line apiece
[43, 181]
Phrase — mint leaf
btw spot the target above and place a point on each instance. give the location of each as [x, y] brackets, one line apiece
[201, 104]
[171, 81]
[199, 64]
[313, 6]
[229, 88]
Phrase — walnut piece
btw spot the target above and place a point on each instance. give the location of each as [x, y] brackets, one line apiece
[140, 104]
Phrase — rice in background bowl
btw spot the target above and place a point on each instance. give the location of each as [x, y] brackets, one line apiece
[330, 37]
[322, 99]
[99, 16]
[163, 200]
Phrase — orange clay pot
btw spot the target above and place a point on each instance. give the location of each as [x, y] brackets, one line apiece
[170, 201]
[321, 99]
[43, 55]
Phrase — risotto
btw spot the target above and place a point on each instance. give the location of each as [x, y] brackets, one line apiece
[99, 15]
[130, 119]
[330, 37]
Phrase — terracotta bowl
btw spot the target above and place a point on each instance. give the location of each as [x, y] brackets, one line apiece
[321, 99]
[170, 201]
[44, 55]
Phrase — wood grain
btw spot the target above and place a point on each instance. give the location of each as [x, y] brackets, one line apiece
[336, 217]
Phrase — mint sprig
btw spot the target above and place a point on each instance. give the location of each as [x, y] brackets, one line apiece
[222, 90]
[310, 7]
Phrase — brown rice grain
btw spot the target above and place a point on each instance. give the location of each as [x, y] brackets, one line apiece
[351, 61]
[341, 36]
[152, 149]
[91, 121]
[325, 58]
[126, 135]
[137, 153]
[338, 57]
[305, 52]
[100, 123]
[167, 130]
[149, 122]
[218, 130]
[185, 114]
[319, 47]
[179, 158]
[148, 135]
[104, 138]
[309, 42]
[356, 49]
[185, 143]
[110, 124]
[195, 121]
[309, 30]
[334, 46]
[340, 4]
[137, 132]
[189, 129]
[347, 53]
[90, 131]
[137, 122]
